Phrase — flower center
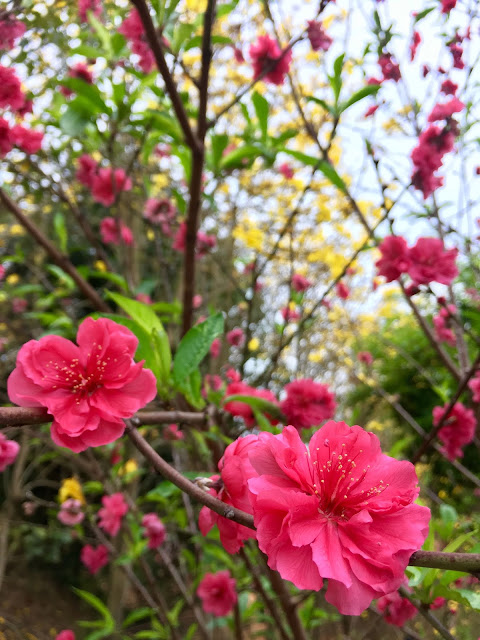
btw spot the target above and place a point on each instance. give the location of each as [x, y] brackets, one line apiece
[341, 487]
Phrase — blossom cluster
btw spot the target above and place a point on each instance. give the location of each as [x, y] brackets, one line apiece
[427, 261]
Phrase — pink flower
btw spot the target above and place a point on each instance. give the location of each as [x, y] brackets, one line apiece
[266, 54]
[67, 634]
[215, 348]
[107, 184]
[365, 356]
[290, 315]
[442, 331]
[457, 52]
[161, 213]
[308, 403]
[448, 5]
[446, 110]
[28, 140]
[114, 233]
[217, 592]
[438, 603]
[390, 69]
[87, 168]
[204, 242]
[197, 301]
[238, 55]
[6, 142]
[319, 38]
[236, 337]
[10, 30]
[8, 452]
[396, 609]
[395, 259]
[300, 283]
[427, 157]
[172, 432]
[154, 530]
[94, 558]
[11, 94]
[339, 509]
[448, 87]
[71, 512]
[3, 271]
[132, 29]
[474, 386]
[370, 111]
[232, 375]
[19, 305]
[416, 40]
[112, 512]
[286, 171]
[81, 71]
[241, 409]
[144, 297]
[87, 6]
[431, 262]
[89, 389]
[457, 431]
[231, 487]
[342, 290]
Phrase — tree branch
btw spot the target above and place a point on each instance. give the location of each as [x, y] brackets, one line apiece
[63, 262]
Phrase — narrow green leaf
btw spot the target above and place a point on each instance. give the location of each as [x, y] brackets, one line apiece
[61, 230]
[194, 346]
[362, 93]
[328, 107]
[89, 92]
[142, 313]
[258, 404]
[261, 109]
[240, 157]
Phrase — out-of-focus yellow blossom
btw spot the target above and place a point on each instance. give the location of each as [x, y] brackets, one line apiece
[160, 181]
[250, 235]
[196, 5]
[374, 425]
[129, 467]
[17, 230]
[442, 494]
[100, 266]
[13, 278]
[392, 126]
[254, 344]
[97, 156]
[421, 468]
[150, 235]
[71, 488]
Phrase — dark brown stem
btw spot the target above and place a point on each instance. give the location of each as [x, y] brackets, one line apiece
[60, 259]
[288, 606]
[423, 611]
[198, 157]
[238, 622]
[13, 416]
[157, 51]
[269, 602]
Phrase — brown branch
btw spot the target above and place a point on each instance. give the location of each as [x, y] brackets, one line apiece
[198, 157]
[157, 51]
[61, 260]
[13, 416]
[446, 414]
[269, 602]
[423, 611]
[288, 606]
[469, 562]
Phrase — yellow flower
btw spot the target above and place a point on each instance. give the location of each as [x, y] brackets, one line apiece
[100, 266]
[13, 278]
[97, 156]
[254, 344]
[442, 494]
[129, 467]
[71, 488]
[150, 234]
[17, 230]
[374, 425]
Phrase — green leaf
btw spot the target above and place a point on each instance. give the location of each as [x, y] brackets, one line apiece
[310, 161]
[336, 79]
[422, 14]
[111, 277]
[219, 144]
[470, 597]
[194, 346]
[322, 165]
[196, 41]
[261, 109]
[362, 93]
[89, 92]
[191, 388]
[240, 157]
[258, 404]
[328, 107]
[73, 121]
[85, 50]
[142, 313]
[181, 36]
[61, 230]
[64, 279]
[96, 603]
[102, 33]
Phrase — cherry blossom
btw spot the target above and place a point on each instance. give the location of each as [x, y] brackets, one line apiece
[457, 431]
[266, 54]
[94, 558]
[112, 512]
[217, 592]
[8, 452]
[307, 403]
[154, 530]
